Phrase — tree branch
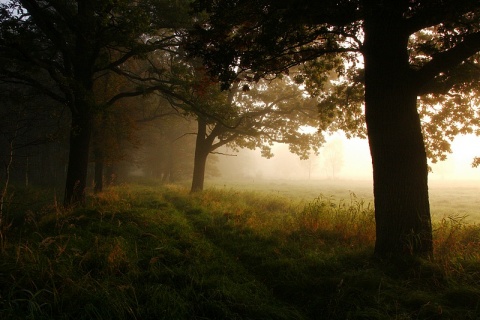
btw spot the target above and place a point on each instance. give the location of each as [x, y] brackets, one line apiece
[224, 154]
[17, 78]
[435, 14]
[445, 61]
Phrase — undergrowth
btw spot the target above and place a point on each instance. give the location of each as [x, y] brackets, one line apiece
[160, 253]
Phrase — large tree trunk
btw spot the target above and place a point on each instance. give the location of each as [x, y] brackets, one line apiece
[3, 192]
[98, 183]
[202, 149]
[82, 99]
[76, 181]
[98, 152]
[400, 171]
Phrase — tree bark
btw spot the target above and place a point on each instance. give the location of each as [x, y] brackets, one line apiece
[400, 172]
[3, 194]
[82, 99]
[98, 136]
[202, 149]
[98, 183]
[76, 181]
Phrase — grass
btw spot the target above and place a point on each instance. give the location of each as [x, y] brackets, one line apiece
[138, 252]
[447, 198]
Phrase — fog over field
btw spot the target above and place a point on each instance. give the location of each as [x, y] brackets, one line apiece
[343, 159]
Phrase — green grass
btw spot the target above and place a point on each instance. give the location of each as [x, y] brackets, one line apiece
[447, 198]
[137, 252]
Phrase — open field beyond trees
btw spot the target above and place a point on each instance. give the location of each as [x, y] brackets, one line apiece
[447, 198]
[252, 250]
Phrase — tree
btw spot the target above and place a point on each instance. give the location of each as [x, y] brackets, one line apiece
[409, 49]
[24, 125]
[168, 147]
[332, 155]
[244, 117]
[310, 164]
[268, 112]
[112, 127]
[74, 43]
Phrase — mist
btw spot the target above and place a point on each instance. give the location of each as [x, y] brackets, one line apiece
[352, 161]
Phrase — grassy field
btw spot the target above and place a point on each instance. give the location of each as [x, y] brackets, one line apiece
[447, 198]
[277, 251]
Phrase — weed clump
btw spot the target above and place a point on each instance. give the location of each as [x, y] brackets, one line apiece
[349, 222]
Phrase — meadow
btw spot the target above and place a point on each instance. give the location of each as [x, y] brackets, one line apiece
[243, 250]
[447, 198]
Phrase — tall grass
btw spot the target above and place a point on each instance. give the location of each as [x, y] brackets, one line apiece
[351, 222]
[138, 252]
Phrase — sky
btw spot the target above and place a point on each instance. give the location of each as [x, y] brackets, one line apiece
[458, 164]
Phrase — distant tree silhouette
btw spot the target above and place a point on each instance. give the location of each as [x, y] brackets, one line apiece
[332, 155]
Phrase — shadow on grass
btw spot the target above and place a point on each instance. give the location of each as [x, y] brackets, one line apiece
[323, 278]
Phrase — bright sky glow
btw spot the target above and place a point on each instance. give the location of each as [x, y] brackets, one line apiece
[357, 163]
